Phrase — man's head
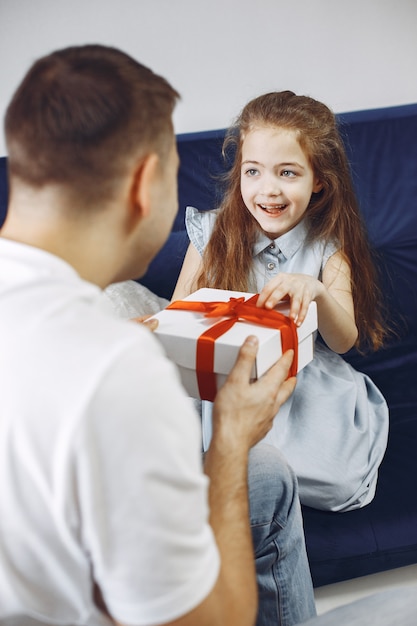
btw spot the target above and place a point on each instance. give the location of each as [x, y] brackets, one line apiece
[82, 115]
[92, 161]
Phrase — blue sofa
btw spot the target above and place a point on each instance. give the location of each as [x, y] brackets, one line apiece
[382, 148]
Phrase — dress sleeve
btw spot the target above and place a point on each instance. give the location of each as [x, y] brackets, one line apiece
[199, 225]
[329, 249]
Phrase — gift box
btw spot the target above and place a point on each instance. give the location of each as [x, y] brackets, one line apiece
[203, 333]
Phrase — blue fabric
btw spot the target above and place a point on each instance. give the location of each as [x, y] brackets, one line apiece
[381, 145]
[284, 585]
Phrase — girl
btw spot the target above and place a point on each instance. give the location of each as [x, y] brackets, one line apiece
[289, 227]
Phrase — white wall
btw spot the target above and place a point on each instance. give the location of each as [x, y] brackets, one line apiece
[352, 54]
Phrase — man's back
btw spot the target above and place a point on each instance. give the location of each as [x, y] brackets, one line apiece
[80, 474]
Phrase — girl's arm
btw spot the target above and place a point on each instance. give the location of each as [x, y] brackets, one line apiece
[335, 306]
[190, 272]
[333, 295]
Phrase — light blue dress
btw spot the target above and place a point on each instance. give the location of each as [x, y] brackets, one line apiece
[333, 430]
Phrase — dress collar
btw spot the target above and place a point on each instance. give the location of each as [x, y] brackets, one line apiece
[287, 244]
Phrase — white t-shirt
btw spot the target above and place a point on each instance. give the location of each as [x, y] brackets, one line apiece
[100, 466]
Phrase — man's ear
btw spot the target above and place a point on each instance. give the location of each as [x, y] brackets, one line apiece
[143, 181]
[318, 186]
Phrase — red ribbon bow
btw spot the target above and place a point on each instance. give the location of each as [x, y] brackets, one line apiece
[235, 309]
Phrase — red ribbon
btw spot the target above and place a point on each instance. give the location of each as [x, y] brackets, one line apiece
[235, 309]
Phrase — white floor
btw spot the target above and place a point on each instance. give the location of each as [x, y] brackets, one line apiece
[331, 596]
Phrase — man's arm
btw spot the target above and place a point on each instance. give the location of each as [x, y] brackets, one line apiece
[242, 415]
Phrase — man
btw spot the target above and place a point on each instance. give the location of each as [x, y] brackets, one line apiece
[106, 515]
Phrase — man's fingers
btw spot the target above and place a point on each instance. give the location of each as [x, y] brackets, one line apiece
[286, 390]
[245, 360]
[278, 376]
[280, 370]
[151, 324]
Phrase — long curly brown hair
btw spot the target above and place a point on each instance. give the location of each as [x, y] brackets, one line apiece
[333, 213]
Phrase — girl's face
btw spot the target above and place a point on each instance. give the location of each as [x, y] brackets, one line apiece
[276, 179]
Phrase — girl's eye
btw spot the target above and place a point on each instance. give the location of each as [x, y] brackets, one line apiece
[288, 173]
[251, 172]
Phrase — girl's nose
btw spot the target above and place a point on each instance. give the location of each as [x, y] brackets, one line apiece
[271, 186]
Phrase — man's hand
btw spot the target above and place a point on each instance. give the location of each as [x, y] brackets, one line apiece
[243, 412]
[151, 324]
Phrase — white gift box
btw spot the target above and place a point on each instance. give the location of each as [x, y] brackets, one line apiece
[179, 330]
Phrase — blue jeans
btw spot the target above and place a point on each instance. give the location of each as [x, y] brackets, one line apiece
[284, 582]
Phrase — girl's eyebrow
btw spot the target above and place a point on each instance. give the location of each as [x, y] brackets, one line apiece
[294, 164]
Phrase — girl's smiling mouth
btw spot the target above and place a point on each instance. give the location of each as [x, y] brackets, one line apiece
[273, 209]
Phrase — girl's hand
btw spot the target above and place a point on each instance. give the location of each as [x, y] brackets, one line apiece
[300, 289]
[152, 324]
[336, 315]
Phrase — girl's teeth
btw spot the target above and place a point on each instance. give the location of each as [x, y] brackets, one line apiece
[276, 207]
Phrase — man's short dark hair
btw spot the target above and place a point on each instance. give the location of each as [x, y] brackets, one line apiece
[81, 114]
